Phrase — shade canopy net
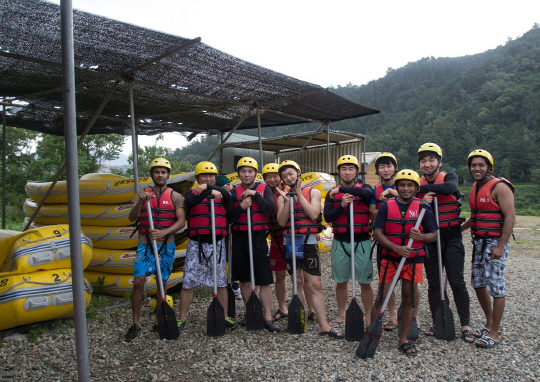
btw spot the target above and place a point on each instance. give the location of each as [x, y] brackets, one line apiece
[178, 84]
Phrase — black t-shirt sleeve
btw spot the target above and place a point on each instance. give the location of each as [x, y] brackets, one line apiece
[365, 193]
[382, 213]
[266, 203]
[331, 213]
[429, 224]
[450, 185]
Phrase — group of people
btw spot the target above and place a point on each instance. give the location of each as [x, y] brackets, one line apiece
[385, 214]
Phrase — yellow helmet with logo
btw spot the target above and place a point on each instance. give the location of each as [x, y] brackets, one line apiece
[348, 159]
[269, 167]
[288, 163]
[409, 175]
[169, 300]
[160, 162]
[249, 162]
[480, 153]
[205, 168]
[432, 147]
[382, 156]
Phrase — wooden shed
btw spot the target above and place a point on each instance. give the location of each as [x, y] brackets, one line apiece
[371, 177]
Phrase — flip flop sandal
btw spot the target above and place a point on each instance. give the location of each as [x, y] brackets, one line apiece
[480, 333]
[336, 323]
[334, 333]
[406, 347]
[390, 325]
[467, 336]
[312, 317]
[430, 332]
[280, 314]
[487, 342]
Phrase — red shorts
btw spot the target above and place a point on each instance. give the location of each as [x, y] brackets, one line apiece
[276, 258]
[406, 271]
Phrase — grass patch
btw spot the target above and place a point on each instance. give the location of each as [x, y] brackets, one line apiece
[54, 326]
[97, 303]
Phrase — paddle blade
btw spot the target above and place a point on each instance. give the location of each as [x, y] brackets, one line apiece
[215, 322]
[370, 341]
[399, 313]
[167, 326]
[444, 323]
[354, 322]
[231, 303]
[297, 317]
[254, 313]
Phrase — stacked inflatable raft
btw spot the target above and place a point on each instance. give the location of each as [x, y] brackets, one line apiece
[35, 275]
[105, 206]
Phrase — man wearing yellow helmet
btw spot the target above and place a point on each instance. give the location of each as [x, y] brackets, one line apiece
[198, 264]
[336, 211]
[258, 198]
[167, 209]
[491, 223]
[277, 255]
[444, 186]
[307, 214]
[392, 229]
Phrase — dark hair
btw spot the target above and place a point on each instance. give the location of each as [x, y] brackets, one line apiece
[385, 160]
[488, 163]
[430, 154]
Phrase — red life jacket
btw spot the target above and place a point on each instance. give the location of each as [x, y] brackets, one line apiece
[361, 216]
[259, 220]
[302, 223]
[199, 219]
[274, 227]
[163, 212]
[379, 189]
[486, 216]
[397, 229]
[449, 207]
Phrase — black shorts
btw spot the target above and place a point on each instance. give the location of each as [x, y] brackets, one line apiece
[261, 259]
[310, 263]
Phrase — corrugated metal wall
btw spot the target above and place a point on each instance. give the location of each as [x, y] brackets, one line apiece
[230, 153]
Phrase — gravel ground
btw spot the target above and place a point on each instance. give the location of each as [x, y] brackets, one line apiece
[241, 355]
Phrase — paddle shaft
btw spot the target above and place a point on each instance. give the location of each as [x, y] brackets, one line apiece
[401, 263]
[156, 256]
[291, 200]
[439, 252]
[214, 247]
[250, 245]
[351, 218]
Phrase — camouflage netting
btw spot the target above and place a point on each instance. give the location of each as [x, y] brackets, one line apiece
[196, 88]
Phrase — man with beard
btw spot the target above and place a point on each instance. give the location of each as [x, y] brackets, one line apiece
[491, 223]
[167, 209]
[257, 197]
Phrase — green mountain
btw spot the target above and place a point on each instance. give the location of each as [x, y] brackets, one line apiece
[489, 100]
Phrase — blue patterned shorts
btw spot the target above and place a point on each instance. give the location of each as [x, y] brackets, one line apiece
[145, 264]
[486, 272]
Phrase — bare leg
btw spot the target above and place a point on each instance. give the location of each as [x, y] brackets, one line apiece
[186, 296]
[245, 288]
[493, 313]
[379, 301]
[265, 292]
[281, 290]
[342, 295]
[223, 299]
[136, 297]
[407, 311]
[392, 307]
[307, 293]
[317, 299]
[366, 294]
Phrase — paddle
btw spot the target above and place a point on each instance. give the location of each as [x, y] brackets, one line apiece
[412, 334]
[354, 317]
[231, 304]
[444, 319]
[215, 318]
[167, 326]
[370, 341]
[254, 309]
[297, 313]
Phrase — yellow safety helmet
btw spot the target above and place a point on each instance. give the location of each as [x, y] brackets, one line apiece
[408, 174]
[249, 162]
[205, 168]
[348, 159]
[269, 167]
[480, 153]
[432, 147]
[169, 300]
[288, 163]
[160, 162]
[385, 155]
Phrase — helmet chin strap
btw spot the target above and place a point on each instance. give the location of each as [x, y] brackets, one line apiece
[482, 178]
[388, 179]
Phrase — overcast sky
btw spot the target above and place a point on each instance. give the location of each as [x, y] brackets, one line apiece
[331, 43]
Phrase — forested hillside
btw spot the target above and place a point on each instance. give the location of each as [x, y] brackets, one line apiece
[489, 100]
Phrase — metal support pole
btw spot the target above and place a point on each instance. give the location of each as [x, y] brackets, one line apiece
[261, 159]
[328, 147]
[364, 175]
[4, 164]
[221, 154]
[134, 139]
[74, 218]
